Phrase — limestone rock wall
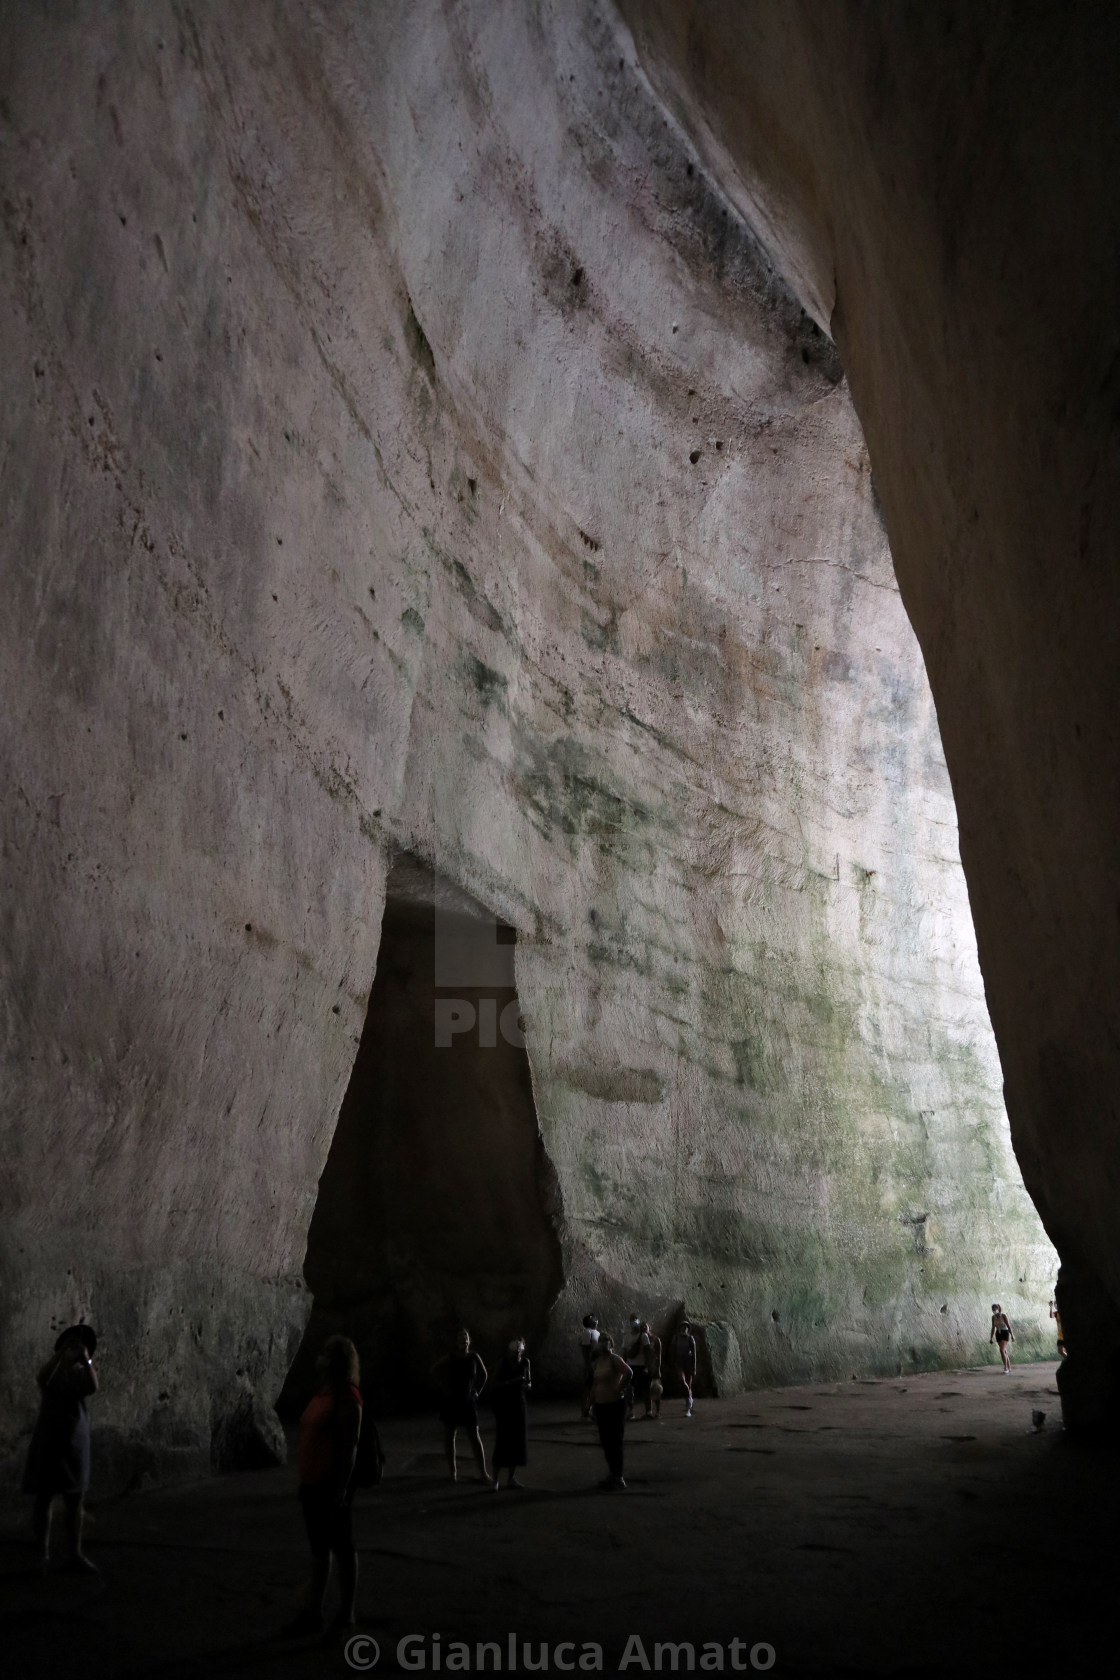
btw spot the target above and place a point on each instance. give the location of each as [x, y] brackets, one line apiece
[938, 183]
[407, 444]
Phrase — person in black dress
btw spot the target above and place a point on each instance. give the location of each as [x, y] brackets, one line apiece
[58, 1458]
[463, 1378]
[512, 1383]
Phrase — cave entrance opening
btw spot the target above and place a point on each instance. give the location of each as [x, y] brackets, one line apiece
[437, 1204]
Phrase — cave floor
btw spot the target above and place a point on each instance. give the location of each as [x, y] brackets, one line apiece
[916, 1526]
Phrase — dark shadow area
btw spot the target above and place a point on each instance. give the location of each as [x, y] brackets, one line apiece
[923, 1528]
[436, 1206]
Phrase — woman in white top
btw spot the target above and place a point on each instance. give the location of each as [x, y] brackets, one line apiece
[609, 1378]
[1002, 1333]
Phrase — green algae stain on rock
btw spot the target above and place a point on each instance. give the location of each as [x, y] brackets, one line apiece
[490, 686]
[570, 789]
[753, 1065]
[616, 1084]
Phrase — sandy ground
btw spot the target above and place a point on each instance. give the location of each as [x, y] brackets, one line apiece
[916, 1526]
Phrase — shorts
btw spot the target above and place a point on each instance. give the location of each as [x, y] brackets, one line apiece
[1003, 1335]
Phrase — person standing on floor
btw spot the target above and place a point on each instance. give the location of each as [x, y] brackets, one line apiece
[1057, 1317]
[1002, 1333]
[511, 1386]
[610, 1378]
[637, 1353]
[588, 1339]
[653, 1367]
[684, 1351]
[59, 1455]
[328, 1447]
[463, 1376]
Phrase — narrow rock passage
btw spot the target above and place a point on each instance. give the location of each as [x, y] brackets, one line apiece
[799, 1517]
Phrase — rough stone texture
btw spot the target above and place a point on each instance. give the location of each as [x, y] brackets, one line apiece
[246, 1433]
[407, 444]
[938, 181]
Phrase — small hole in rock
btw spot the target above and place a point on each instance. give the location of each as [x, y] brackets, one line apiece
[694, 456]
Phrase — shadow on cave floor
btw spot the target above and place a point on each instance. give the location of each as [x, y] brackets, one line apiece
[915, 1526]
[437, 1205]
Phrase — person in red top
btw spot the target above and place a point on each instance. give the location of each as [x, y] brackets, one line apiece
[328, 1446]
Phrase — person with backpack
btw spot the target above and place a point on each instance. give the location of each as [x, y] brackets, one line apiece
[684, 1352]
[330, 1430]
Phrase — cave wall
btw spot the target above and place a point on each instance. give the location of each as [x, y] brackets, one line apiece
[408, 443]
[938, 184]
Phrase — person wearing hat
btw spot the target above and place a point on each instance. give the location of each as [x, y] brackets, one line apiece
[58, 1458]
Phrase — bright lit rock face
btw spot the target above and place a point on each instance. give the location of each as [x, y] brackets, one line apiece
[939, 184]
[406, 446]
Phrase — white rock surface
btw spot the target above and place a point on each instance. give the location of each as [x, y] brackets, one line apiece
[355, 363]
